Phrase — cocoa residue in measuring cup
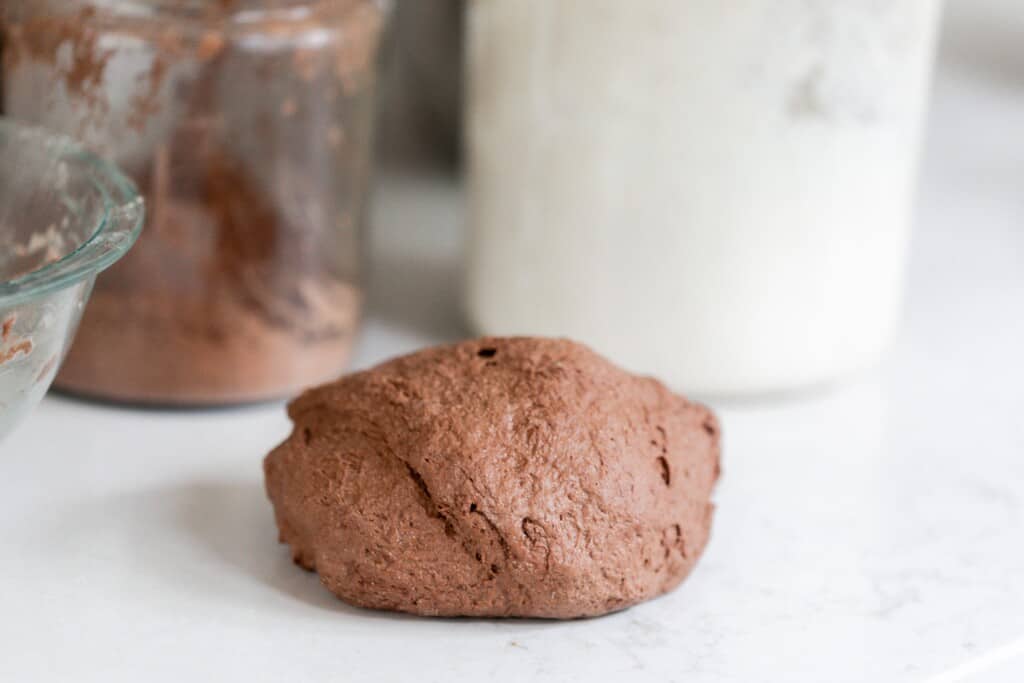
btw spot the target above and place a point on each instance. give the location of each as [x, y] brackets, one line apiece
[20, 257]
[10, 346]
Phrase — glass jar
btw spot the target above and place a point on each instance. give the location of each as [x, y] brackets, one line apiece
[247, 125]
[717, 192]
[421, 93]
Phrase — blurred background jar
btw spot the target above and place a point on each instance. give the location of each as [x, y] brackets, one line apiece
[421, 86]
[986, 37]
[248, 127]
[718, 193]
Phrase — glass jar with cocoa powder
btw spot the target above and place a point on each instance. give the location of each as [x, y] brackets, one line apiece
[248, 127]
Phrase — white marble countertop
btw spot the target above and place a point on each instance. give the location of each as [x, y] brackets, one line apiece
[873, 533]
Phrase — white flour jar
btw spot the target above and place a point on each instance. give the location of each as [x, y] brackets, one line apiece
[717, 192]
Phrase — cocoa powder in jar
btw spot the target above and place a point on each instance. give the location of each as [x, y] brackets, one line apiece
[251, 144]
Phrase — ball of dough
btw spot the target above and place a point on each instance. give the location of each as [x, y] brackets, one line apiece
[496, 478]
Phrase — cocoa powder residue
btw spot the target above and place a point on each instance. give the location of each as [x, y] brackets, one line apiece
[42, 38]
[20, 257]
[221, 300]
[6, 327]
[10, 346]
[234, 292]
[23, 347]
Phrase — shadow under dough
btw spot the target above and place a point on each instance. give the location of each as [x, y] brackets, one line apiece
[234, 523]
[211, 539]
[223, 544]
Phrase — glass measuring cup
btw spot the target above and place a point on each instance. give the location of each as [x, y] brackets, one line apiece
[65, 215]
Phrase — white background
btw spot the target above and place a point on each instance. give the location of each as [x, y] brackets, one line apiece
[870, 533]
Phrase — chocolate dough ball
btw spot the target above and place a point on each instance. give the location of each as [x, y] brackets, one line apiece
[496, 478]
